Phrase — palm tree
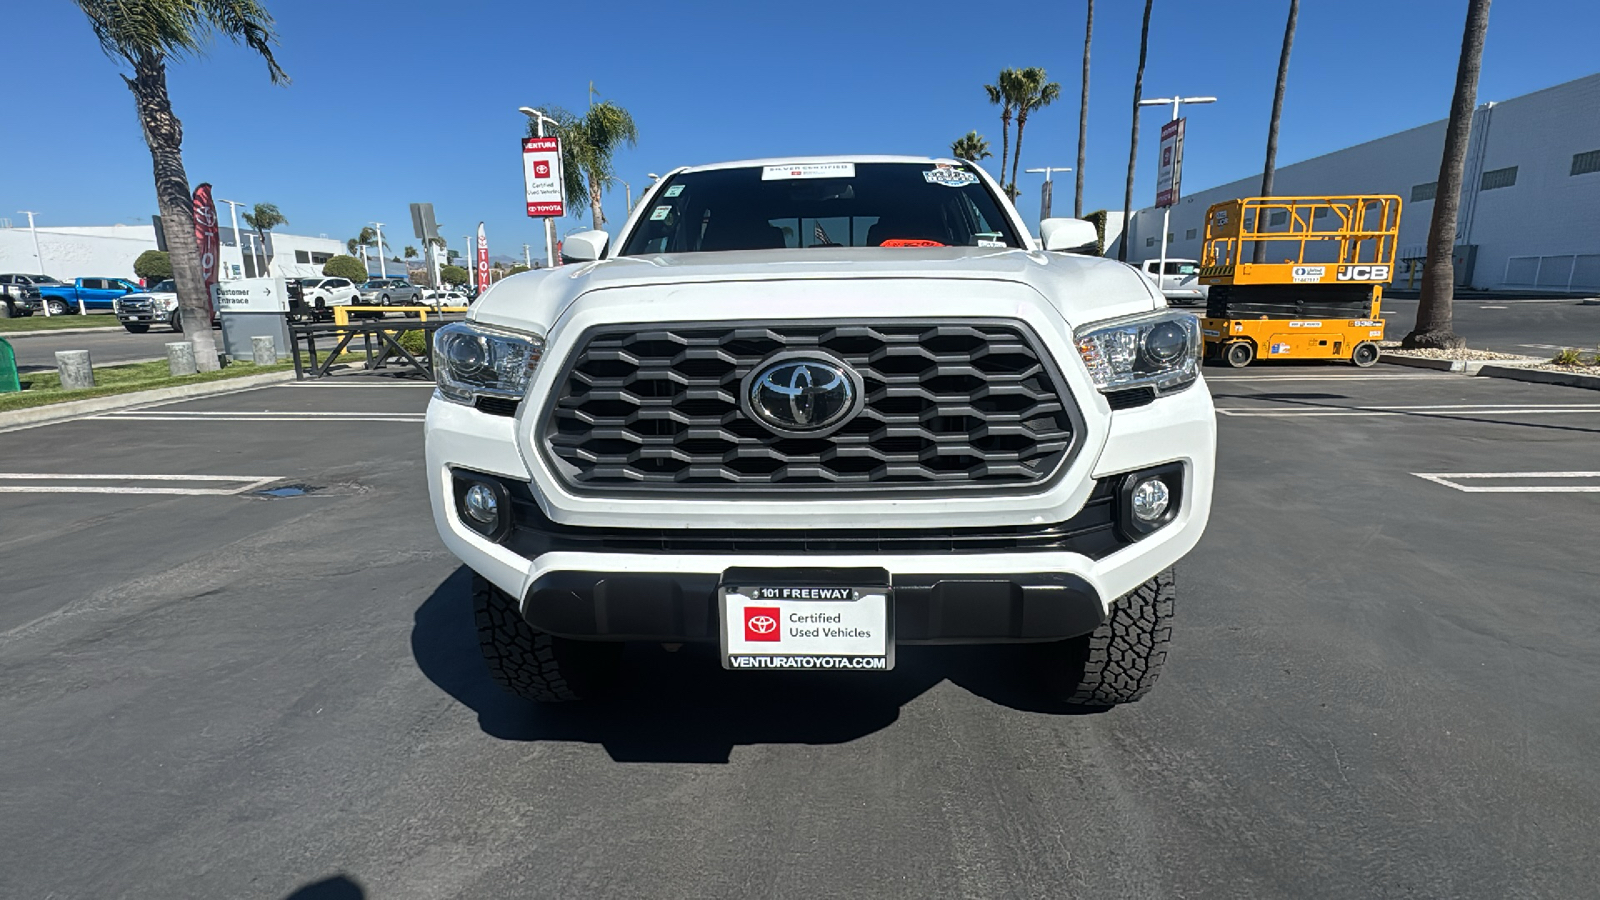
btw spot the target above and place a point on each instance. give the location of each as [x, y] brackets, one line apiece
[970, 146]
[1002, 94]
[147, 35]
[1033, 92]
[264, 217]
[1083, 117]
[1435, 311]
[1133, 144]
[1259, 255]
[606, 127]
[411, 253]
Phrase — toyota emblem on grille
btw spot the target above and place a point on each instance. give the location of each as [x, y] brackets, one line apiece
[802, 394]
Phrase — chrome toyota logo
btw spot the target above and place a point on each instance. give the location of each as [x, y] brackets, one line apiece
[802, 394]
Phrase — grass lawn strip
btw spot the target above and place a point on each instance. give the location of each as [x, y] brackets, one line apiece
[44, 388]
[40, 322]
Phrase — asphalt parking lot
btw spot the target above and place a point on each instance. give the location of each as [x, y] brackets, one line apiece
[1383, 683]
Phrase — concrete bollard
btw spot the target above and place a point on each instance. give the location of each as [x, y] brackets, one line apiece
[265, 351]
[180, 358]
[76, 371]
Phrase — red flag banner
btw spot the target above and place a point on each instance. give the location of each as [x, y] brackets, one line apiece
[207, 238]
[483, 260]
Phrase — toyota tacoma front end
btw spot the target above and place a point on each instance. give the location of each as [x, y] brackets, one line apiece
[809, 410]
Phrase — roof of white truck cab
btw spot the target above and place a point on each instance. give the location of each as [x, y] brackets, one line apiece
[817, 160]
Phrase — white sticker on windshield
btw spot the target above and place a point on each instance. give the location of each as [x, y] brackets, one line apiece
[985, 242]
[675, 190]
[659, 213]
[949, 177]
[808, 170]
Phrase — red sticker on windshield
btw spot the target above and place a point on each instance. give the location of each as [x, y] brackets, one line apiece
[909, 242]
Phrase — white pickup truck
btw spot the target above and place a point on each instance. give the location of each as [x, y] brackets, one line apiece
[807, 410]
[1180, 283]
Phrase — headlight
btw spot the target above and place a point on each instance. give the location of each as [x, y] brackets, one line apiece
[472, 361]
[1158, 350]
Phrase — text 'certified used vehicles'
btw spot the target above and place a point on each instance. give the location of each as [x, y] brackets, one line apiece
[808, 410]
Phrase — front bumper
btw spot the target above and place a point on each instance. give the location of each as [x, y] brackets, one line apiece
[654, 577]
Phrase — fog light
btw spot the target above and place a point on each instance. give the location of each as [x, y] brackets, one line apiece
[1150, 499]
[483, 506]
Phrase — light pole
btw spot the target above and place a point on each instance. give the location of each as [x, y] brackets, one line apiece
[629, 189]
[472, 262]
[36, 252]
[1166, 211]
[1046, 192]
[525, 260]
[539, 119]
[382, 272]
[238, 243]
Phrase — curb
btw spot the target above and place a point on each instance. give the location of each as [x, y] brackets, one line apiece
[1589, 301]
[40, 415]
[1539, 376]
[8, 335]
[1459, 366]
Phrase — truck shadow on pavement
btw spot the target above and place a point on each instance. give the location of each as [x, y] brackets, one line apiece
[683, 707]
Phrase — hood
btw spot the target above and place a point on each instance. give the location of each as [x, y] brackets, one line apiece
[149, 295]
[1082, 288]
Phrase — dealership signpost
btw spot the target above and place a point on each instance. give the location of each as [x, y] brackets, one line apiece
[544, 180]
[1169, 175]
[483, 260]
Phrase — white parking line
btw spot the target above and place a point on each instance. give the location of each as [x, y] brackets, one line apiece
[1449, 479]
[364, 384]
[1330, 377]
[243, 483]
[1472, 409]
[261, 416]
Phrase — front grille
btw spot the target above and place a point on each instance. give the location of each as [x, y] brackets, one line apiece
[136, 306]
[1092, 532]
[962, 404]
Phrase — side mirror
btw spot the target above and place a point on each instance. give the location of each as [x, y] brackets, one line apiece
[585, 246]
[1067, 235]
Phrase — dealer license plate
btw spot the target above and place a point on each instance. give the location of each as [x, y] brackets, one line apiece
[822, 627]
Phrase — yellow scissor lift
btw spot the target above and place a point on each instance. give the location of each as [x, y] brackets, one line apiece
[1319, 297]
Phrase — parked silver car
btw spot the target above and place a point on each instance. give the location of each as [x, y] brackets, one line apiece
[390, 292]
[1181, 281]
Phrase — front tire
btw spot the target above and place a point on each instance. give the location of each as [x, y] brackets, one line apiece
[58, 307]
[175, 321]
[535, 665]
[1365, 354]
[136, 327]
[1120, 661]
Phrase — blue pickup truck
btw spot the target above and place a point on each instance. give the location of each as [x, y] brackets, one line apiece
[95, 294]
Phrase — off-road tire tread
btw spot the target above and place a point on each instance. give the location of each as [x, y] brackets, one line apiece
[1122, 659]
[532, 664]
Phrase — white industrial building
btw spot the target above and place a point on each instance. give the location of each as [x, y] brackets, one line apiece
[109, 251]
[1530, 202]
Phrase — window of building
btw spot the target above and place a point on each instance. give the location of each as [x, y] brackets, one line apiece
[320, 258]
[1277, 217]
[1171, 237]
[1422, 192]
[1149, 242]
[1189, 235]
[1498, 178]
[1584, 163]
[302, 256]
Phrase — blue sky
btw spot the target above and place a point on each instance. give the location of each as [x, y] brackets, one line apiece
[420, 104]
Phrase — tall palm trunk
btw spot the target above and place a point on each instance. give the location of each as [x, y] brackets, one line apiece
[1005, 142]
[1436, 313]
[595, 212]
[1259, 255]
[1133, 143]
[163, 133]
[1083, 117]
[1016, 158]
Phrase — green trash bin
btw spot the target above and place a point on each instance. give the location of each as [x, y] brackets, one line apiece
[9, 382]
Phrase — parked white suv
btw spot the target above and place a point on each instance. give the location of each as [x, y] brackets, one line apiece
[324, 292]
[807, 410]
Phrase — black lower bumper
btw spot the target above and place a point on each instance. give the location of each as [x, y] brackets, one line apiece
[929, 609]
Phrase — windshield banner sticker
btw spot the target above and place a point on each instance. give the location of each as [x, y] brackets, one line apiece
[949, 177]
[808, 170]
[660, 213]
[674, 191]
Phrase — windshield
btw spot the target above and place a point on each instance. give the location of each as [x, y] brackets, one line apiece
[165, 287]
[809, 205]
[44, 279]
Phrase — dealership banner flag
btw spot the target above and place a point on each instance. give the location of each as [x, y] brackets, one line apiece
[483, 260]
[207, 239]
